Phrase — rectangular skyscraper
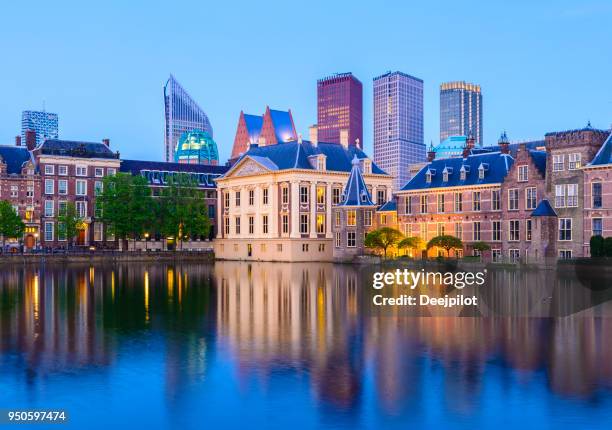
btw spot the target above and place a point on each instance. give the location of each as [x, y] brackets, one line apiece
[45, 125]
[340, 106]
[182, 115]
[460, 110]
[398, 125]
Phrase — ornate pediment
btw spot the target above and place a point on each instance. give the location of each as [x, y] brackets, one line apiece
[248, 167]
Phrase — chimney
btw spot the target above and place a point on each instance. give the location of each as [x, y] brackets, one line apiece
[17, 140]
[300, 138]
[504, 143]
[470, 141]
[431, 153]
[30, 139]
[344, 137]
[106, 142]
[466, 150]
[358, 143]
[261, 141]
[314, 134]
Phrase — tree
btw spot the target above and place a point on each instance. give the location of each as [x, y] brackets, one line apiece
[597, 245]
[125, 205]
[182, 209]
[69, 222]
[447, 242]
[608, 246]
[382, 238]
[11, 225]
[481, 246]
[415, 243]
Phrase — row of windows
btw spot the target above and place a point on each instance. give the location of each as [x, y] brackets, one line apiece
[62, 170]
[304, 224]
[381, 195]
[62, 187]
[80, 206]
[574, 162]
[565, 230]
[515, 255]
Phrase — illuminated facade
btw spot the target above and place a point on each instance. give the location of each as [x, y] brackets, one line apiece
[44, 124]
[340, 107]
[460, 110]
[275, 203]
[182, 114]
[398, 125]
[196, 147]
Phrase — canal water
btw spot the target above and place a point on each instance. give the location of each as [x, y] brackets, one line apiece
[278, 345]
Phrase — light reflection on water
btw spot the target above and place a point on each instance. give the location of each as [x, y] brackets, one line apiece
[277, 345]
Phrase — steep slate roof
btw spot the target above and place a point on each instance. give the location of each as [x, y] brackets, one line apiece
[14, 157]
[390, 206]
[294, 155]
[283, 125]
[71, 148]
[539, 159]
[544, 209]
[356, 192]
[253, 125]
[496, 167]
[604, 155]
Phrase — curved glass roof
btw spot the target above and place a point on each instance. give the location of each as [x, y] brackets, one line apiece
[196, 146]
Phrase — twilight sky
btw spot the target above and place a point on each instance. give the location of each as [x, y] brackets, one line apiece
[543, 65]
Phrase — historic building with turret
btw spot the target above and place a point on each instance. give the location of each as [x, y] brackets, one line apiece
[276, 202]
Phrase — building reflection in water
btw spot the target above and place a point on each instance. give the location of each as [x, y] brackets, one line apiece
[311, 322]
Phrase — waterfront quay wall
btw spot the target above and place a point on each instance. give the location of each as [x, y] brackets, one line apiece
[107, 257]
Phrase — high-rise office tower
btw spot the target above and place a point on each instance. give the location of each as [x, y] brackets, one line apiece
[398, 125]
[460, 110]
[340, 106]
[182, 115]
[43, 123]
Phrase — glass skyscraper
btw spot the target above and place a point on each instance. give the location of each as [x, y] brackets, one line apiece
[340, 106]
[460, 110]
[45, 125]
[182, 115]
[398, 125]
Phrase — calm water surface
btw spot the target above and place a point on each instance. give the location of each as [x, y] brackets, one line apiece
[236, 345]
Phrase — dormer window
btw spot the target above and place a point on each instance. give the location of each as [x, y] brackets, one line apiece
[317, 161]
[366, 166]
[481, 170]
[364, 197]
[446, 172]
[429, 174]
[463, 172]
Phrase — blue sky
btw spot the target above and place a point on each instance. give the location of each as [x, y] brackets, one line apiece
[543, 65]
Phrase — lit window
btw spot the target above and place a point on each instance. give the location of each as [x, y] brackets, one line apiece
[574, 161]
[351, 218]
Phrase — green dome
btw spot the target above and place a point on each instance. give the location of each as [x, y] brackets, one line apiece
[196, 146]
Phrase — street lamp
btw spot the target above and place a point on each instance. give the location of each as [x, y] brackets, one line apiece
[36, 241]
[146, 235]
